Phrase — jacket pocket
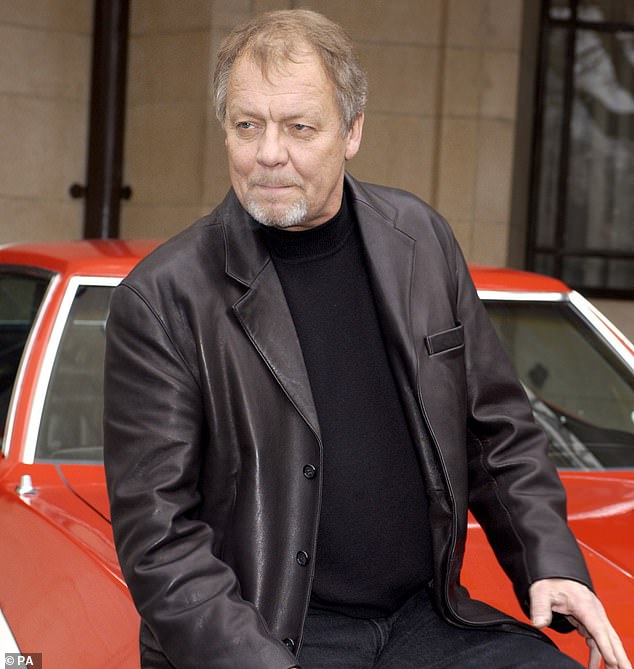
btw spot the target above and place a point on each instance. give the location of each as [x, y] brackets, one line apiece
[447, 340]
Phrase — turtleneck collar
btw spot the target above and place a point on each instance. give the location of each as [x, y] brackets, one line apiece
[310, 244]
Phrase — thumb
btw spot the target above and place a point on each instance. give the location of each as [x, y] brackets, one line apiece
[541, 611]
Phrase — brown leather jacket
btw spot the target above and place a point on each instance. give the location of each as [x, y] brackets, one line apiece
[210, 425]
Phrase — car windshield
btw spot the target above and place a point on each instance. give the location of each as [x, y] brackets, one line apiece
[20, 297]
[582, 394]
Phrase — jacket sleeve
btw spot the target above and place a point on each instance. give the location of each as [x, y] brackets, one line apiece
[153, 429]
[514, 489]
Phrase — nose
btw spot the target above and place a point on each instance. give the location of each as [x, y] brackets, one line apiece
[272, 149]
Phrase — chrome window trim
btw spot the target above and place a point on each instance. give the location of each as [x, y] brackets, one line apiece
[44, 377]
[604, 327]
[26, 356]
[521, 296]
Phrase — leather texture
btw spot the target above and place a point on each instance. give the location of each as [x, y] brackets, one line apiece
[210, 426]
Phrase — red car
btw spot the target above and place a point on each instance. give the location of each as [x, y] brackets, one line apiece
[61, 591]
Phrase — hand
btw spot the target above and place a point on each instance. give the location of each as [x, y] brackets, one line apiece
[583, 610]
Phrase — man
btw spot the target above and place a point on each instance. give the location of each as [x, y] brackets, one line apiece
[303, 394]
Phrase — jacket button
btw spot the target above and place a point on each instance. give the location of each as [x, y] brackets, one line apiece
[310, 471]
[290, 644]
[302, 558]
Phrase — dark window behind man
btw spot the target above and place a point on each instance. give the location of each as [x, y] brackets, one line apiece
[304, 396]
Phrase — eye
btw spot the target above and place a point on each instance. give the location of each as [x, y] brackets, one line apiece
[245, 129]
[302, 130]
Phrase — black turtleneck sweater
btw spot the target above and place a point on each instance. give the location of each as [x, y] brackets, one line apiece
[374, 545]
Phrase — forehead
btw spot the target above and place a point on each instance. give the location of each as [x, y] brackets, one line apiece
[304, 74]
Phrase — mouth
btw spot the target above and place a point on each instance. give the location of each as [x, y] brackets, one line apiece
[274, 185]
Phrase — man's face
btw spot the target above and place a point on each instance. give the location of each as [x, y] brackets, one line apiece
[285, 144]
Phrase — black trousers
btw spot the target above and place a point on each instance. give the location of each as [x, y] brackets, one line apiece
[415, 637]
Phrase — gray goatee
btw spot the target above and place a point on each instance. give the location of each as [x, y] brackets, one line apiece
[294, 215]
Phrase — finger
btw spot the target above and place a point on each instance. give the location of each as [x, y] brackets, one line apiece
[621, 660]
[541, 606]
[594, 656]
[607, 643]
[600, 644]
[604, 643]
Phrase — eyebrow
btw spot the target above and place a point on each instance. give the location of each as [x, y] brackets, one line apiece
[310, 113]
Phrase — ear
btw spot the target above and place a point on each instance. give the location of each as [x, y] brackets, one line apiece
[354, 137]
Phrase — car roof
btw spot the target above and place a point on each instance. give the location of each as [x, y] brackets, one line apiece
[92, 257]
[495, 278]
[117, 257]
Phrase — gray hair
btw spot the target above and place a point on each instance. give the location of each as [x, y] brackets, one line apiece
[274, 38]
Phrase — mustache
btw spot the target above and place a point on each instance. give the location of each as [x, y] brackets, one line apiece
[274, 181]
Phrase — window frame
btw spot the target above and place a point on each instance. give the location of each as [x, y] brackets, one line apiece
[53, 281]
[558, 251]
[52, 349]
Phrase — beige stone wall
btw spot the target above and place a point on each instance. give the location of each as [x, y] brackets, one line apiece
[440, 118]
[166, 121]
[479, 83]
[44, 89]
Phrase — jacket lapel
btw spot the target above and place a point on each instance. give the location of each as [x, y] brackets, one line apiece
[390, 256]
[263, 312]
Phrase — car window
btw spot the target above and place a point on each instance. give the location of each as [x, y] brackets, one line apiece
[581, 392]
[20, 298]
[70, 428]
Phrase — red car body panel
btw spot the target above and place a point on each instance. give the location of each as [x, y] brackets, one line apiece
[62, 592]
[494, 278]
[601, 514]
